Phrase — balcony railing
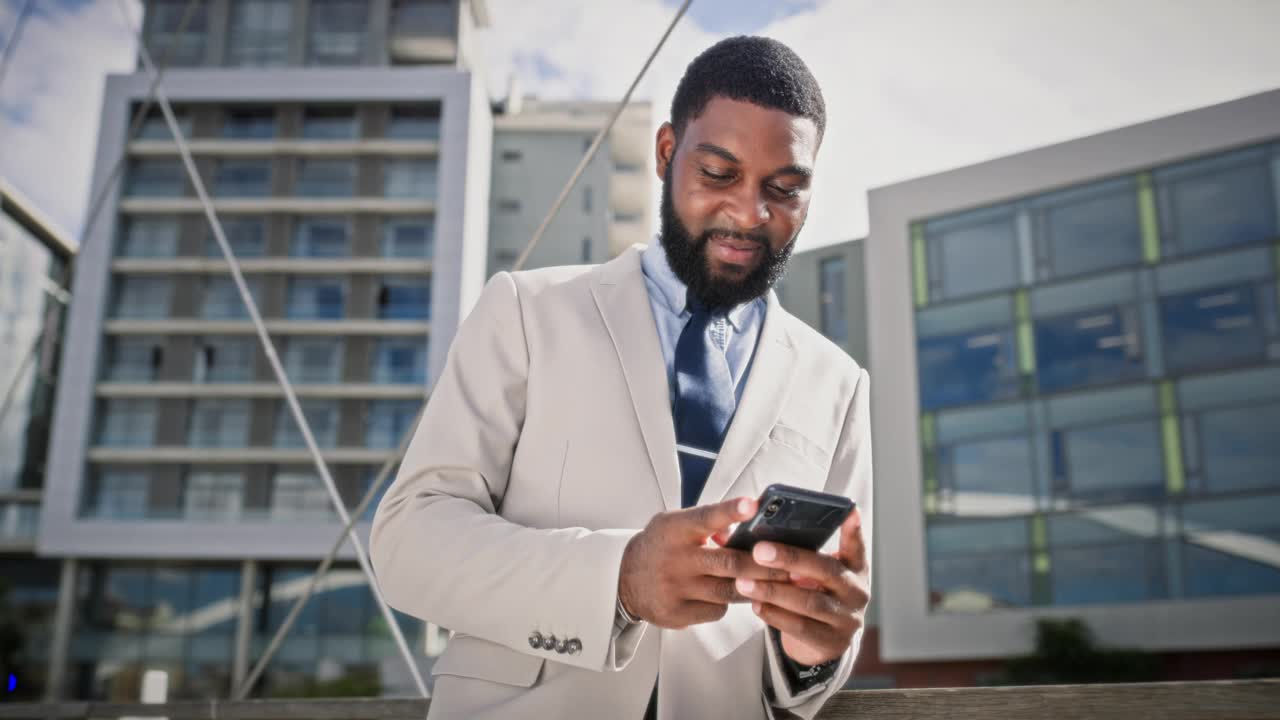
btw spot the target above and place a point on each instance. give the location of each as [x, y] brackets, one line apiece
[1225, 700]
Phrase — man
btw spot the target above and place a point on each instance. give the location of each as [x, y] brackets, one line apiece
[581, 404]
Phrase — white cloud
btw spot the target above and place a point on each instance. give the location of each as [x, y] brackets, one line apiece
[913, 88]
[54, 86]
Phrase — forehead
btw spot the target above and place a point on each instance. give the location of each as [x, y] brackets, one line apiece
[760, 136]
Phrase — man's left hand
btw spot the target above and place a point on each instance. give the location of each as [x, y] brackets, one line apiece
[818, 612]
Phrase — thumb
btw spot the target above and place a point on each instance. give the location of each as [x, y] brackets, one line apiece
[706, 520]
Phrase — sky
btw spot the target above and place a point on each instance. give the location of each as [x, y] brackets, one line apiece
[913, 87]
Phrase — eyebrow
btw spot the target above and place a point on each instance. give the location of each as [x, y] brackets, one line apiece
[727, 156]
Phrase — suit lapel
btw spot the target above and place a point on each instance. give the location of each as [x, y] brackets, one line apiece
[623, 299]
[769, 382]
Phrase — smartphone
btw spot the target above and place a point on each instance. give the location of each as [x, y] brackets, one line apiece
[792, 516]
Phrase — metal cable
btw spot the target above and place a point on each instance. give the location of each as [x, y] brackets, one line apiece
[282, 378]
[595, 144]
[10, 48]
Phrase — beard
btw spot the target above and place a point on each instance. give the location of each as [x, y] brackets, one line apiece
[687, 257]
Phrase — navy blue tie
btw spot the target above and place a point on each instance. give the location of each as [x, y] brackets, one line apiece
[704, 402]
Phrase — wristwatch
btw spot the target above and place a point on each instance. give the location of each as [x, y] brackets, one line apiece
[801, 677]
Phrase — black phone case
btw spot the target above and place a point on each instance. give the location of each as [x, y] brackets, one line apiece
[803, 518]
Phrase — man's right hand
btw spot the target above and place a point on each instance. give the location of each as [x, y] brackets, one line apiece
[672, 578]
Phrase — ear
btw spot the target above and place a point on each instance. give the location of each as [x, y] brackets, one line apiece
[664, 148]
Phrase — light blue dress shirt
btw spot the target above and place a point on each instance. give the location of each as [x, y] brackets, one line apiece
[735, 334]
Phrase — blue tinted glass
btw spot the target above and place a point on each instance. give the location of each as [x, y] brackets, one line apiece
[1114, 462]
[967, 368]
[405, 302]
[1240, 448]
[1218, 569]
[1089, 348]
[1212, 328]
[1093, 234]
[1092, 574]
[1220, 207]
[244, 178]
[400, 362]
[977, 258]
[991, 477]
[977, 536]
[979, 582]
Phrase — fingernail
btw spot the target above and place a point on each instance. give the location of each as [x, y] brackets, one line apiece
[765, 552]
[756, 607]
[745, 586]
[744, 506]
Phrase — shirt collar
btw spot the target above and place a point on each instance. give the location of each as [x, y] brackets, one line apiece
[674, 293]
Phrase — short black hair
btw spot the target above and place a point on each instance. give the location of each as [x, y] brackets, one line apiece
[753, 69]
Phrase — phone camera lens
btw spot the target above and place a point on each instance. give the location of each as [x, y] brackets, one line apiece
[772, 508]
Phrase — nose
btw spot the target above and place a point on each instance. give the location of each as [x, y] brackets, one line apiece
[747, 208]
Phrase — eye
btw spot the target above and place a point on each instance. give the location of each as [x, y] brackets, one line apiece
[785, 192]
[714, 175]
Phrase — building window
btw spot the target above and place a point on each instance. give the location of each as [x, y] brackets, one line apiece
[410, 179]
[156, 127]
[224, 360]
[972, 253]
[977, 565]
[1113, 555]
[1239, 447]
[1108, 462]
[249, 124]
[1088, 229]
[337, 32]
[258, 32]
[140, 297]
[126, 423]
[299, 495]
[164, 19]
[322, 416]
[219, 424]
[411, 237]
[247, 237]
[326, 178]
[216, 495]
[145, 237]
[400, 361]
[966, 354]
[389, 420]
[986, 476]
[586, 249]
[587, 199]
[1098, 346]
[414, 123]
[330, 123]
[311, 298]
[831, 296]
[156, 177]
[133, 359]
[313, 360]
[221, 299]
[1216, 327]
[404, 299]
[508, 205]
[118, 493]
[1218, 202]
[1220, 542]
[512, 156]
[322, 238]
[243, 178]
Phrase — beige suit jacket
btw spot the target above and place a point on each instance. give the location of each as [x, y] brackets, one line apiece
[546, 445]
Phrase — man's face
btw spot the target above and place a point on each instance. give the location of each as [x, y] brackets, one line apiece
[735, 195]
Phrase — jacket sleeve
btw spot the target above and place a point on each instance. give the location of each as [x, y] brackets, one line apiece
[850, 476]
[440, 550]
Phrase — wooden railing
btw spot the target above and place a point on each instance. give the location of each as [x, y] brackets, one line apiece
[1226, 700]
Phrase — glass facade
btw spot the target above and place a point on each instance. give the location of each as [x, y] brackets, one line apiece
[258, 32]
[1099, 384]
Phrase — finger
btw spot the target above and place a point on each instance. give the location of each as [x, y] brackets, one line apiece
[721, 591]
[813, 604]
[721, 538]
[706, 520]
[729, 563]
[827, 570]
[853, 547]
[805, 582]
[805, 629]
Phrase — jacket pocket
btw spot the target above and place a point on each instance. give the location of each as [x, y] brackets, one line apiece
[470, 657]
[806, 448]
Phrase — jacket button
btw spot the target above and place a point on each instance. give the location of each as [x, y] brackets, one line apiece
[549, 642]
[535, 640]
[575, 646]
[563, 646]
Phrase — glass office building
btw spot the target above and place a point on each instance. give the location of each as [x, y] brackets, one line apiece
[1075, 355]
[1099, 374]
